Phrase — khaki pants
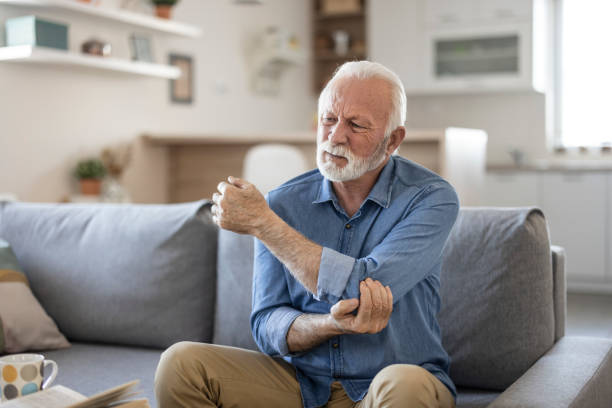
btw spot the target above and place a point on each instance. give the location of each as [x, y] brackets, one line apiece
[208, 375]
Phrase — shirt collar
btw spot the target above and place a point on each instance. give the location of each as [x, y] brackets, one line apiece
[380, 193]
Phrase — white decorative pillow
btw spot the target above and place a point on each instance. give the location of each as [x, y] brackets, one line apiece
[24, 323]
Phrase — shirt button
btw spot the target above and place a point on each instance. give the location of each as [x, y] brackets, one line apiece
[348, 226]
[335, 345]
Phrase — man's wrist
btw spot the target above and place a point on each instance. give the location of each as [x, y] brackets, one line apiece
[333, 326]
[267, 221]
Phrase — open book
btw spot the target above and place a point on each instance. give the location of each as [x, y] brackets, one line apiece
[59, 396]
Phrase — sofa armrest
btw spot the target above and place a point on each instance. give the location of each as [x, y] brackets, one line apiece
[575, 372]
[559, 290]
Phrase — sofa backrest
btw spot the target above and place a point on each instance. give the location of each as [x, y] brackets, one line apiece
[119, 273]
[234, 282]
[499, 299]
[497, 315]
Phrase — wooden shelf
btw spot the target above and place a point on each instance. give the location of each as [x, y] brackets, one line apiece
[41, 55]
[324, 59]
[123, 16]
[359, 14]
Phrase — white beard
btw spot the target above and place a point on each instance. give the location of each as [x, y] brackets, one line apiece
[355, 167]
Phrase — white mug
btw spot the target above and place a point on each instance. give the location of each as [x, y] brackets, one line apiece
[22, 374]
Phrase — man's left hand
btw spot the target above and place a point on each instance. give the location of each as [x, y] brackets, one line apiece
[239, 206]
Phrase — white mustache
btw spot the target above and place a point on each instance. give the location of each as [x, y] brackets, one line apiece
[337, 150]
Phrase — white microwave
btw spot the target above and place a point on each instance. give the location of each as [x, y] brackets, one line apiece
[497, 58]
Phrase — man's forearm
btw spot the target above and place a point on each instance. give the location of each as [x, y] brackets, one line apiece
[299, 254]
[310, 330]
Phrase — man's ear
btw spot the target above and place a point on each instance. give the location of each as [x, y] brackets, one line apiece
[396, 138]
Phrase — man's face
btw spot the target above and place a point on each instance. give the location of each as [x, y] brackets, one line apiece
[351, 139]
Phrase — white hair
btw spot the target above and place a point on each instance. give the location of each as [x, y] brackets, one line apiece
[369, 69]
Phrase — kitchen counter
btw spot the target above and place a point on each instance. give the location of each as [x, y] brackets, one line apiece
[555, 166]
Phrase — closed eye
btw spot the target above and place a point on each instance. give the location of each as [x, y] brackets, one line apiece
[329, 119]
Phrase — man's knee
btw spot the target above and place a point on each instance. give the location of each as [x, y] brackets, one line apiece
[178, 362]
[402, 382]
[173, 357]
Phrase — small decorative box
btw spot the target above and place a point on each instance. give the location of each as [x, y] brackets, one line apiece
[32, 30]
[340, 6]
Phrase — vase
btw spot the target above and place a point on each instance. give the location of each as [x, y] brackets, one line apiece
[90, 186]
[163, 11]
[114, 192]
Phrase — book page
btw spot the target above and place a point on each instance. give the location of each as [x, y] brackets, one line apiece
[138, 403]
[107, 397]
[57, 396]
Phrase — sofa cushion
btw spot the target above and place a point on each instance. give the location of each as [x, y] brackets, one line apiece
[234, 281]
[497, 313]
[119, 273]
[24, 325]
[474, 398]
[92, 368]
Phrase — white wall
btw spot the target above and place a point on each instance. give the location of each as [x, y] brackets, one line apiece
[51, 116]
[511, 120]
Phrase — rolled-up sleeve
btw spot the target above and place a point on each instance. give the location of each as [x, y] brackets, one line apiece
[334, 272]
[408, 254]
[272, 312]
[278, 326]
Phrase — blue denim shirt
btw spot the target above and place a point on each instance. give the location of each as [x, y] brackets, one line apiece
[396, 237]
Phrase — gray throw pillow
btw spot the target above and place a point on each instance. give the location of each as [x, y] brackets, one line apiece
[130, 274]
[497, 314]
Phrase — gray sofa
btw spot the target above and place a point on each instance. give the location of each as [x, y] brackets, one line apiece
[123, 282]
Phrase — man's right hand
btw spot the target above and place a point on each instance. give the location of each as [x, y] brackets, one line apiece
[375, 306]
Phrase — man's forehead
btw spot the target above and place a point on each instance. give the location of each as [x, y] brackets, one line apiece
[371, 95]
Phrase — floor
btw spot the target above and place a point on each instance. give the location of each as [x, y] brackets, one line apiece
[589, 315]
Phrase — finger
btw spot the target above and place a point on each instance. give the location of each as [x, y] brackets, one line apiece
[344, 307]
[222, 186]
[216, 197]
[364, 313]
[387, 306]
[238, 182]
[376, 291]
[218, 209]
[390, 298]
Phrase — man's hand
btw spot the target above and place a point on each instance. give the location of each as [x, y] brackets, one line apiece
[375, 307]
[239, 206]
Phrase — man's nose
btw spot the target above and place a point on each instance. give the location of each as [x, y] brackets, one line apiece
[338, 134]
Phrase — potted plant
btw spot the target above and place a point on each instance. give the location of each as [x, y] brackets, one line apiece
[163, 8]
[90, 173]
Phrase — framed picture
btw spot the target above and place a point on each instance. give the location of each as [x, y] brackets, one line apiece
[181, 89]
[140, 46]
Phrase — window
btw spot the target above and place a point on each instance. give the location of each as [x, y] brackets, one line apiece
[583, 94]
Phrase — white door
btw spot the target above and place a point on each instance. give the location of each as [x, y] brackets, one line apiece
[575, 206]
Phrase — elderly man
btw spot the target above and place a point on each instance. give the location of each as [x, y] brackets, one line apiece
[347, 271]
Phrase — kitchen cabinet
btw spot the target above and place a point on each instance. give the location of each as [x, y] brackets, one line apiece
[510, 189]
[440, 13]
[575, 207]
[463, 46]
[448, 12]
[505, 10]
